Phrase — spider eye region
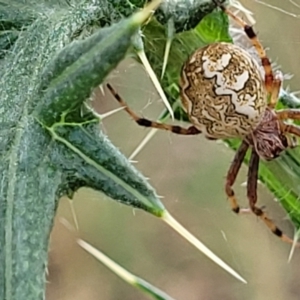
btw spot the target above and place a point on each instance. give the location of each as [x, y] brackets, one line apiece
[222, 91]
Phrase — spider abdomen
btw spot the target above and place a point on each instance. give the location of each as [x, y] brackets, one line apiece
[222, 91]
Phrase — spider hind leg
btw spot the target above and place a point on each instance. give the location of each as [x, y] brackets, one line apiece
[192, 130]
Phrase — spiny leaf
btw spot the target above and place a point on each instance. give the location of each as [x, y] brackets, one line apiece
[45, 80]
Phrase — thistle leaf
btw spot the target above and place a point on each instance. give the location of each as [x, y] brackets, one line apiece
[49, 146]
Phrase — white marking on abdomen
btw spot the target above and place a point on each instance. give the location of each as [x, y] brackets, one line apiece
[212, 69]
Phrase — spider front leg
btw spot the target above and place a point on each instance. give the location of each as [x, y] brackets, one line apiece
[289, 113]
[269, 77]
[232, 174]
[192, 130]
[293, 114]
[252, 196]
[276, 85]
[291, 129]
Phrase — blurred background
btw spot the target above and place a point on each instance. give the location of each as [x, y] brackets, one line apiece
[189, 172]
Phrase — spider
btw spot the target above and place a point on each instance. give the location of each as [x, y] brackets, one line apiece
[225, 96]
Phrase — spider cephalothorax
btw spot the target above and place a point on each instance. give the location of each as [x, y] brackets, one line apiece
[267, 138]
[225, 95]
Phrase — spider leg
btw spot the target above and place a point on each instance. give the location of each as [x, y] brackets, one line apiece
[269, 77]
[290, 128]
[289, 113]
[293, 114]
[147, 123]
[277, 81]
[252, 196]
[232, 174]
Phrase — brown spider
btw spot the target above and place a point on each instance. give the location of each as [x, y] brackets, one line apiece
[225, 96]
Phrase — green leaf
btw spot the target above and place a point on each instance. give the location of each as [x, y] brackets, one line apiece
[49, 146]
[87, 158]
